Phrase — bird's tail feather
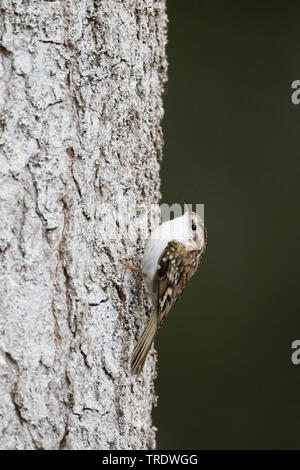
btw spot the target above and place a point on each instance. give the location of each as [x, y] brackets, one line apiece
[143, 345]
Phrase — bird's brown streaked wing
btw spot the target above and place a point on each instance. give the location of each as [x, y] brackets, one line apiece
[176, 266]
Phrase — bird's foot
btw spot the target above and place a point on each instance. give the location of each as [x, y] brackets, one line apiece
[134, 269]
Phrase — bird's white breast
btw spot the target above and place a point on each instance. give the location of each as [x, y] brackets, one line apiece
[175, 229]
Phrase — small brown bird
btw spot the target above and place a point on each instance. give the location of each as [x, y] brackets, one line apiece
[171, 258]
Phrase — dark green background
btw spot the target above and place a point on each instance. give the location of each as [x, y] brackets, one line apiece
[232, 135]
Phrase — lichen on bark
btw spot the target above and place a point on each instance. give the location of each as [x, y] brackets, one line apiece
[80, 111]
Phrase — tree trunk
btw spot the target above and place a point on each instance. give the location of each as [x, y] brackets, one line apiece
[80, 99]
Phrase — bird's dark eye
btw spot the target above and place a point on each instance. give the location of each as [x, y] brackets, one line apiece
[194, 227]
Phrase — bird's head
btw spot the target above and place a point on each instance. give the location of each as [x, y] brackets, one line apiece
[195, 230]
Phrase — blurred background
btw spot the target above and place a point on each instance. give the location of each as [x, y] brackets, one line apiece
[232, 140]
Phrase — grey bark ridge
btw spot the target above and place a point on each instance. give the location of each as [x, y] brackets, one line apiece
[80, 111]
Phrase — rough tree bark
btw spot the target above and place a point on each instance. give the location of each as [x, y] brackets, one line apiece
[80, 97]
